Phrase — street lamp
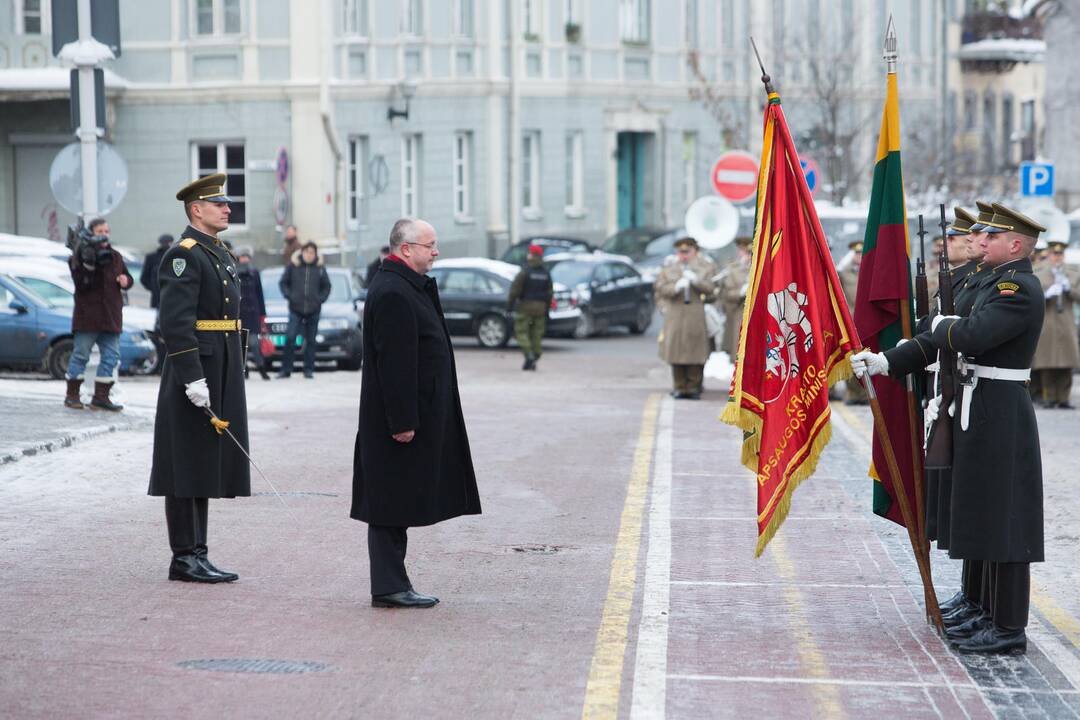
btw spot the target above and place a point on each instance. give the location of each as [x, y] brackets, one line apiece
[406, 88]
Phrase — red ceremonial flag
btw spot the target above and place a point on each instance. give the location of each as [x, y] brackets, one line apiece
[796, 333]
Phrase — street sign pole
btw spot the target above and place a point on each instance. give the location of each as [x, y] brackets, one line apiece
[88, 131]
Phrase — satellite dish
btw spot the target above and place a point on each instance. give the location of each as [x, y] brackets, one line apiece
[712, 221]
[65, 178]
[1054, 220]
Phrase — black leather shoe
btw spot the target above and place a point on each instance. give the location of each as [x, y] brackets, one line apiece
[995, 641]
[188, 568]
[404, 599]
[225, 575]
[680, 395]
[960, 615]
[956, 601]
[693, 396]
[966, 630]
[1065, 406]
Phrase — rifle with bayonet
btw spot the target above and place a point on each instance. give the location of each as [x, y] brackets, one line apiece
[922, 290]
[939, 438]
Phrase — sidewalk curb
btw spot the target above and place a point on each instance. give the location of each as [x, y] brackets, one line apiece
[64, 441]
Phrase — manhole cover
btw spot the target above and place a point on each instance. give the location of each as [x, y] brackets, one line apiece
[539, 549]
[247, 665]
[297, 493]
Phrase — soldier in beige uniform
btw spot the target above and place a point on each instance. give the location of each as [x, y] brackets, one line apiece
[1058, 351]
[685, 286]
[1040, 258]
[731, 294]
[849, 281]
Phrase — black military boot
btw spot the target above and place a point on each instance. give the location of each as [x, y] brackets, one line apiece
[995, 640]
[530, 364]
[954, 602]
[180, 517]
[101, 398]
[968, 629]
[202, 511]
[72, 399]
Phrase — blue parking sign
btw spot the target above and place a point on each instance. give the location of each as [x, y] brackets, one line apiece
[1036, 179]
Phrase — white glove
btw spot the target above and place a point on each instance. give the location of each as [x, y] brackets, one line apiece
[1054, 290]
[869, 363]
[938, 318]
[198, 393]
[743, 290]
[689, 275]
[932, 410]
[681, 284]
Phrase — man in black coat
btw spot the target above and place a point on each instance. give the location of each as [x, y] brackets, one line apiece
[996, 504]
[252, 309]
[375, 264]
[411, 465]
[203, 373]
[149, 276]
[306, 285]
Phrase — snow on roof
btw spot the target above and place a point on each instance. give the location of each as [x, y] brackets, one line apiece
[498, 267]
[56, 79]
[1015, 49]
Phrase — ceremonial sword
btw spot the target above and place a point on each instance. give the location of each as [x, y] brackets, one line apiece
[222, 426]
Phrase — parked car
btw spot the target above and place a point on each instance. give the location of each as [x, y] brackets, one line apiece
[662, 250]
[633, 241]
[516, 254]
[474, 293]
[340, 336]
[606, 289]
[36, 333]
[32, 247]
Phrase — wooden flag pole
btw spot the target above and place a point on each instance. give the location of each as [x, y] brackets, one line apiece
[921, 560]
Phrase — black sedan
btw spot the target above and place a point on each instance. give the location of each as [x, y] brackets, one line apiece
[474, 292]
[339, 337]
[516, 254]
[606, 289]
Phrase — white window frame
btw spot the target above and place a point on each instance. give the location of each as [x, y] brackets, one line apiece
[530, 174]
[635, 21]
[356, 182]
[355, 19]
[221, 167]
[411, 150]
[575, 174]
[464, 19]
[532, 19]
[461, 180]
[412, 18]
[218, 20]
[692, 24]
[44, 12]
[689, 167]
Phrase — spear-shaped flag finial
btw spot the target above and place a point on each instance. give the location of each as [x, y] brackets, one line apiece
[764, 75]
[890, 54]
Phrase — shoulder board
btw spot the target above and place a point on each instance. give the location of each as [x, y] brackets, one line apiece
[188, 243]
[1007, 288]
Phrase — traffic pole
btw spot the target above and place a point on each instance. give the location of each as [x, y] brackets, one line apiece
[88, 130]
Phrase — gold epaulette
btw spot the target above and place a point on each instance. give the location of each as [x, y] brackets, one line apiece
[188, 243]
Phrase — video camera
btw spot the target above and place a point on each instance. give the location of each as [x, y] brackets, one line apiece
[92, 250]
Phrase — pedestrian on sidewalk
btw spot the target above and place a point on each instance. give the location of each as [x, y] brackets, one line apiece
[252, 310]
[530, 298]
[685, 286]
[292, 244]
[100, 276]
[306, 285]
[411, 464]
[375, 265]
[203, 373]
[151, 263]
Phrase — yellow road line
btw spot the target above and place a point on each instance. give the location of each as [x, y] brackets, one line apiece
[605, 675]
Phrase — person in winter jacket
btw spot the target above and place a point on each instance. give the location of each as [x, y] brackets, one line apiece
[531, 292]
[149, 276]
[252, 309]
[306, 285]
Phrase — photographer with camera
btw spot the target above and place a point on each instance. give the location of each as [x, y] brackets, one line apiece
[100, 276]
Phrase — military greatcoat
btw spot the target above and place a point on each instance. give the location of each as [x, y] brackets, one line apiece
[198, 281]
[684, 339]
[1058, 344]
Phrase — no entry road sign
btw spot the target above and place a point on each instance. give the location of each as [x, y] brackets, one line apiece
[734, 176]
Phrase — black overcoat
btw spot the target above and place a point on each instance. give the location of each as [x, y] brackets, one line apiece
[997, 500]
[198, 281]
[409, 383]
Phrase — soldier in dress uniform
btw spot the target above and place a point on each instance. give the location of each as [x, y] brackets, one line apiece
[996, 500]
[1058, 353]
[203, 372]
[731, 294]
[849, 281]
[686, 285]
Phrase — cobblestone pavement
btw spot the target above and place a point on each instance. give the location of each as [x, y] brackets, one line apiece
[611, 575]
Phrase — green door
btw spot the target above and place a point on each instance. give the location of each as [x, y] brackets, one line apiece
[631, 174]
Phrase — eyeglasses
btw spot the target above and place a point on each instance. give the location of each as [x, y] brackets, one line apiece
[430, 246]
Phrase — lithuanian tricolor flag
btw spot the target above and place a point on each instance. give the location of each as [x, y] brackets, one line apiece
[883, 308]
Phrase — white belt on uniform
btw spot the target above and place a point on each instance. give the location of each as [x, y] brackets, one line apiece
[986, 372]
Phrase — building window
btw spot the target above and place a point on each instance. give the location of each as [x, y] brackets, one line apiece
[990, 161]
[575, 173]
[410, 175]
[530, 19]
[32, 17]
[1007, 129]
[463, 18]
[228, 158]
[462, 175]
[634, 21]
[691, 23]
[412, 17]
[357, 202]
[356, 17]
[689, 167]
[1027, 130]
[970, 110]
[727, 24]
[217, 17]
[530, 173]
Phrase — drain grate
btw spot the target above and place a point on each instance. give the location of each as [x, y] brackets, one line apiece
[297, 493]
[249, 665]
